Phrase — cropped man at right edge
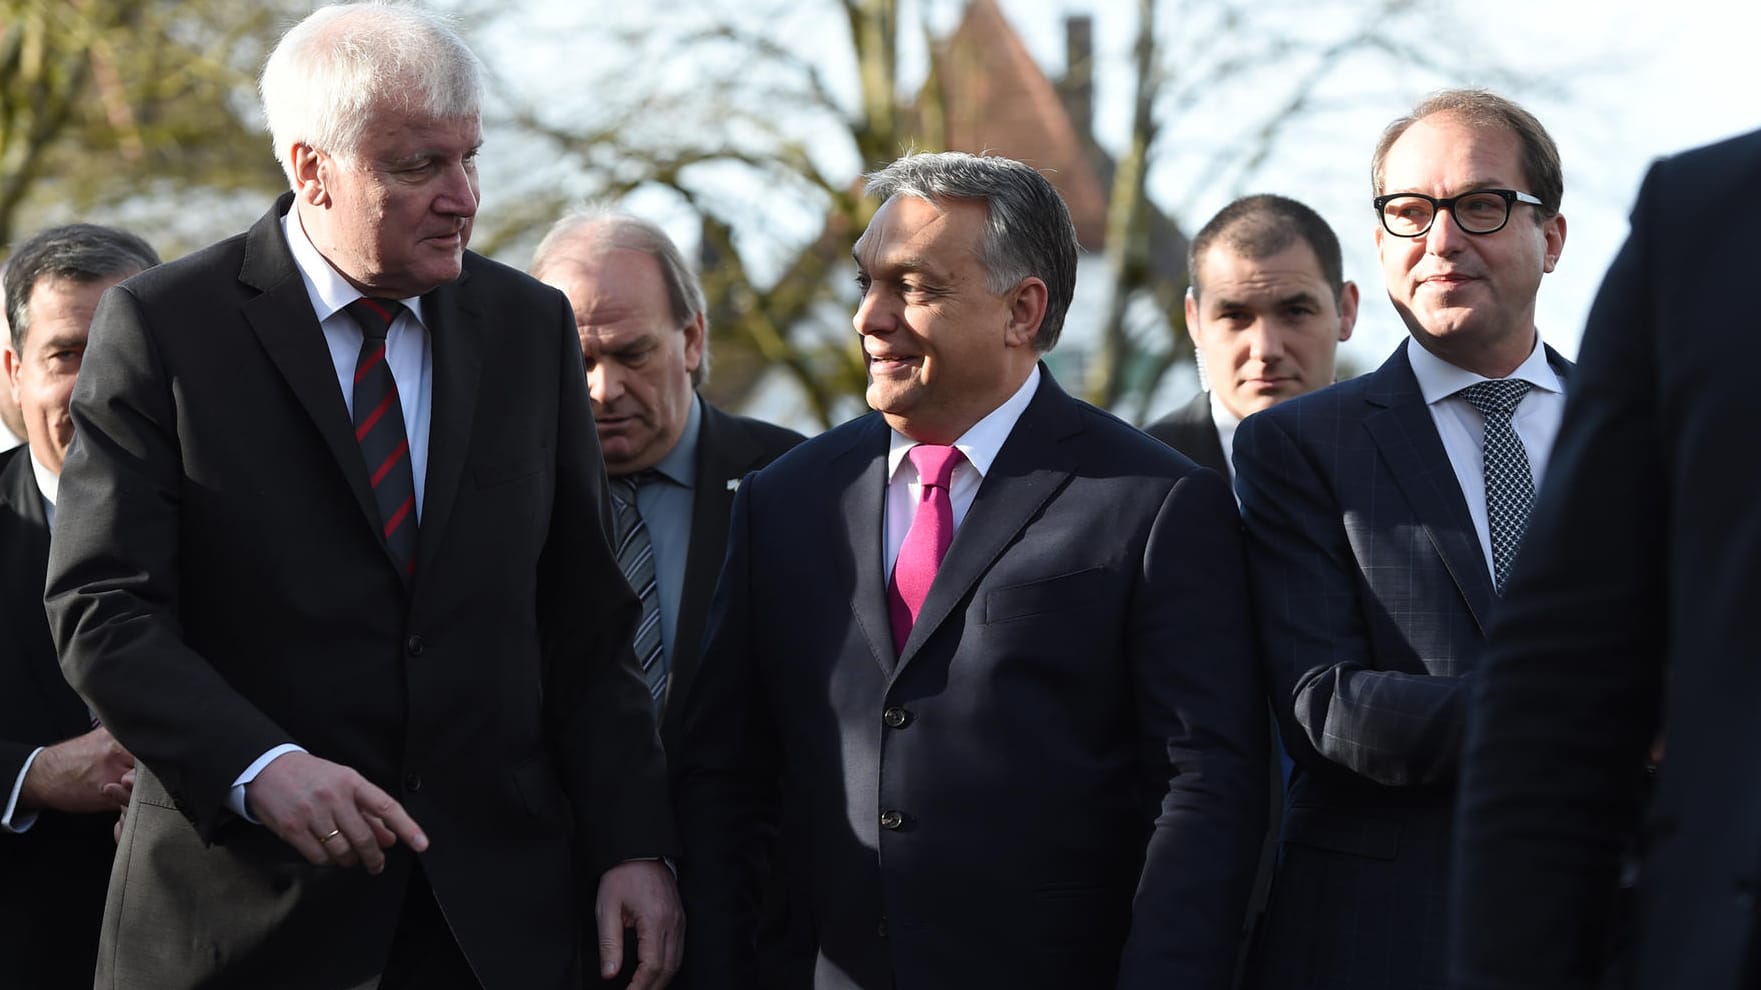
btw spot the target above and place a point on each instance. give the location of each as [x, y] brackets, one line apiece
[1381, 515]
[1632, 609]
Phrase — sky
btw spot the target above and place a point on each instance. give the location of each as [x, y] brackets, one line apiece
[1625, 82]
[1617, 82]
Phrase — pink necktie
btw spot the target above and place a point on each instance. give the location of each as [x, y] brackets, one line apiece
[932, 529]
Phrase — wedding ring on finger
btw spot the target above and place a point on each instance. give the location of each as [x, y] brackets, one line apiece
[326, 837]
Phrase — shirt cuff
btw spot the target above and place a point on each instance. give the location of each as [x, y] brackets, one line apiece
[12, 821]
[235, 800]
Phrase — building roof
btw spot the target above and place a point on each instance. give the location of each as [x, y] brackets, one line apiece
[993, 97]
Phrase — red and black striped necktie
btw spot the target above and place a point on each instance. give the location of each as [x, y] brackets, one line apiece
[379, 429]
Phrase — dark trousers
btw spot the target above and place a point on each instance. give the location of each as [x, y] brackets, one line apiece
[424, 953]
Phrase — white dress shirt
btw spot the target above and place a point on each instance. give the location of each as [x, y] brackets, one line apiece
[1225, 422]
[410, 356]
[1462, 428]
[978, 447]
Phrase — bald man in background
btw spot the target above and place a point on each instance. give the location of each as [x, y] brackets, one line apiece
[645, 338]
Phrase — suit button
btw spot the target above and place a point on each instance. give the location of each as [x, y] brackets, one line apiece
[415, 645]
[412, 782]
[892, 821]
[895, 717]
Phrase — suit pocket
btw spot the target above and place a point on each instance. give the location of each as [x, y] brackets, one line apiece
[1354, 835]
[1054, 594]
[504, 469]
[540, 794]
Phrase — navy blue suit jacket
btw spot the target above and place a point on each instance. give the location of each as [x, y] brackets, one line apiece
[1373, 598]
[1072, 738]
[1633, 606]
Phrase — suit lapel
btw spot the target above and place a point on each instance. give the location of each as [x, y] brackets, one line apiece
[285, 324]
[455, 334]
[1035, 462]
[24, 535]
[1561, 367]
[863, 509]
[724, 454]
[1406, 437]
[1198, 431]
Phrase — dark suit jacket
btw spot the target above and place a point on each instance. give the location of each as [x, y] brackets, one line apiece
[729, 447]
[1633, 606]
[1191, 430]
[56, 871]
[218, 585]
[1372, 597]
[1057, 782]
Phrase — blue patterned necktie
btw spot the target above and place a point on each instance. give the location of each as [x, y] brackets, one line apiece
[379, 429]
[635, 552]
[1510, 485]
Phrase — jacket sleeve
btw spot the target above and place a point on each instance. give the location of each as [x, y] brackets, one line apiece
[1332, 701]
[599, 716]
[1204, 742]
[113, 580]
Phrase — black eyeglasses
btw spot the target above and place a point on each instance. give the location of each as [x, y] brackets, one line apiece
[1483, 211]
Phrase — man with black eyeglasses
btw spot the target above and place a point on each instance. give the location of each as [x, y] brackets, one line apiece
[1382, 514]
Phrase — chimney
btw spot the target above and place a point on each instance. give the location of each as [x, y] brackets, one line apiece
[1077, 87]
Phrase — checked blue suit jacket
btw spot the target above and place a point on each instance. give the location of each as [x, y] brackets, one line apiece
[1373, 598]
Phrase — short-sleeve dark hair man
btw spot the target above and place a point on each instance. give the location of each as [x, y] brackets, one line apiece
[1381, 515]
[644, 332]
[330, 560]
[1632, 610]
[59, 773]
[982, 654]
[1266, 311]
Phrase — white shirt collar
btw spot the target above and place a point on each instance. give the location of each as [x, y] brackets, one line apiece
[980, 444]
[1225, 422]
[1438, 379]
[48, 482]
[326, 287]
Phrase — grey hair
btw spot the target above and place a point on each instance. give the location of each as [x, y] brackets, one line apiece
[1028, 231]
[599, 227]
[78, 252]
[344, 63]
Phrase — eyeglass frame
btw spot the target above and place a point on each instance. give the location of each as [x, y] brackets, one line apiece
[1511, 197]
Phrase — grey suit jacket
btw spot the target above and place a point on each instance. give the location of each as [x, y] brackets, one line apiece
[1373, 598]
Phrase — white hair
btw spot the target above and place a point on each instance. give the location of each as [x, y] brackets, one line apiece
[332, 72]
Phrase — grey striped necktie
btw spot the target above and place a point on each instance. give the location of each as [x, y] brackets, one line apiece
[636, 559]
[1510, 485]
